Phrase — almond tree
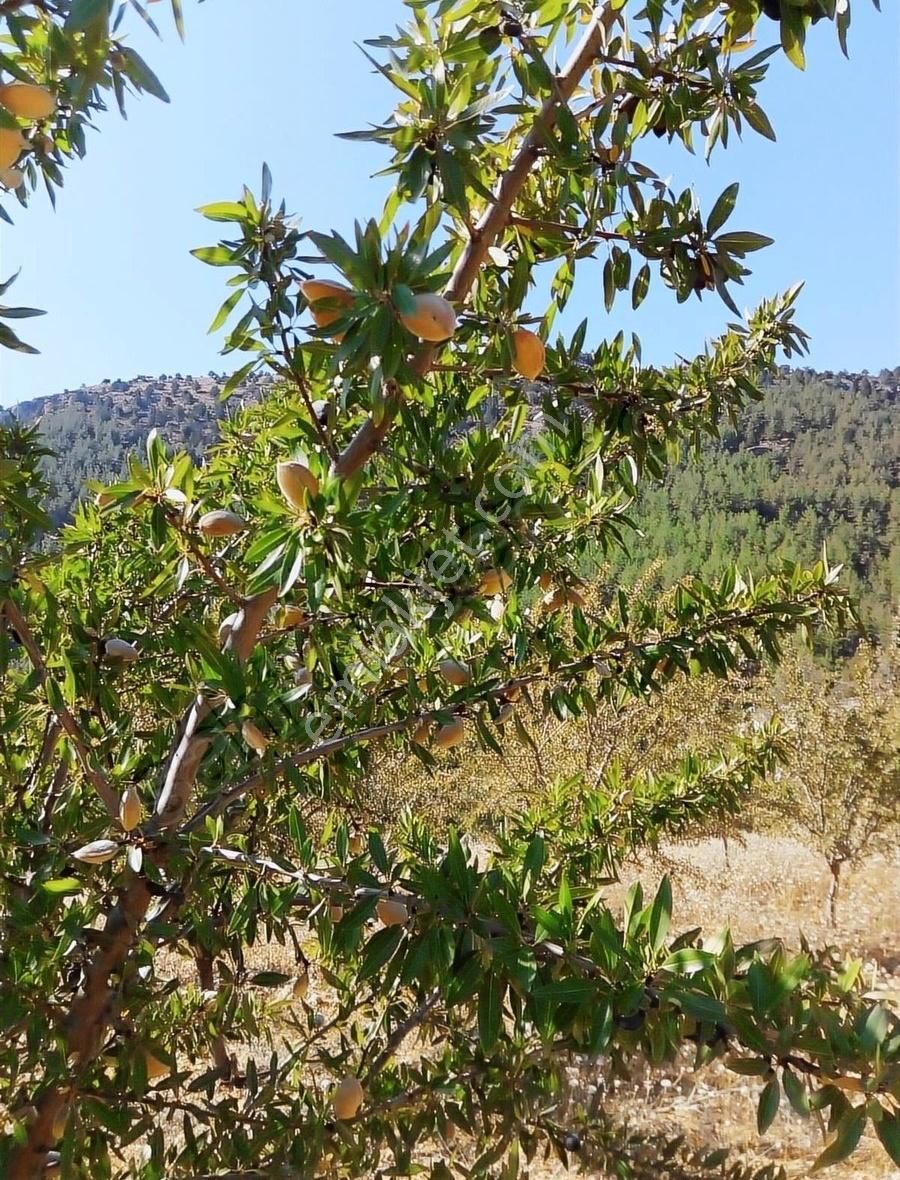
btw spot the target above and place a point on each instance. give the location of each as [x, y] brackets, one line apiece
[387, 551]
[840, 785]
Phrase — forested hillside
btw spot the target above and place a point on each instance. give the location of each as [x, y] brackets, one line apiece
[92, 430]
[817, 461]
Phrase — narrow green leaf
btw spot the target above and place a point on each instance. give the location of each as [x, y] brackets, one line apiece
[138, 72]
[235, 380]
[722, 209]
[62, 885]
[490, 1006]
[888, 1131]
[224, 211]
[660, 915]
[214, 255]
[796, 1092]
[769, 1101]
[84, 13]
[849, 1133]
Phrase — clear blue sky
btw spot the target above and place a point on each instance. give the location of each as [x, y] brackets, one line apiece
[274, 79]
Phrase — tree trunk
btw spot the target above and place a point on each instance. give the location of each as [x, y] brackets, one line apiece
[834, 867]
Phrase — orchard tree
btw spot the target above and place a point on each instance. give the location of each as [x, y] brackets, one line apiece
[389, 552]
[840, 784]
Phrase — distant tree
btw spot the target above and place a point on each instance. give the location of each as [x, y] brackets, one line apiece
[841, 782]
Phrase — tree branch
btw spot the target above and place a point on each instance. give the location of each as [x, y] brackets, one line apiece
[64, 717]
[493, 221]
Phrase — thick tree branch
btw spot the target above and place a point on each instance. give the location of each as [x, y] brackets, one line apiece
[91, 1011]
[192, 745]
[494, 220]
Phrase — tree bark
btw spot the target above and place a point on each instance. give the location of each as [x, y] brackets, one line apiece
[831, 899]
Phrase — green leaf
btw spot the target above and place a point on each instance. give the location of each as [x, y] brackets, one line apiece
[19, 313]
[178, 14]
[566, 991]
[214, 255]
[849, 1133]
[380, 949]
[62, 885]
[749, 1067]
[888, 1131]
[742, 242]
[269, 979]
[640, 287]
[10, 340]
[793, 35]
[875, 1029]
[138, 72]
[660, 915]
[490, 1011]
[759, 120]
[226, 309]
[235, 379]
[223, 211]
[769, 1101]
[702, 1007]
[403, 299]
[796, 1092]
[84, 13]
[722, 209]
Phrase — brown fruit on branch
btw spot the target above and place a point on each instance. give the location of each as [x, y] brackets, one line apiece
[12, 144]
[12, 178]
[121, 649]
[221, 523]
[347, 1098]
[300, 986]
[25, 100]
[565, 596]
[326, 290]
[432, 318]
[392, 913]
[296, 482]
[512, 692]
[154, 1067]
[455, 672]
[450, 734]
[356, 844]
[421, 733]
[130, 809]
[292, 616]
[335, 912]
[529, 354]
[494, 581]
[97, 852]
[254, 737]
